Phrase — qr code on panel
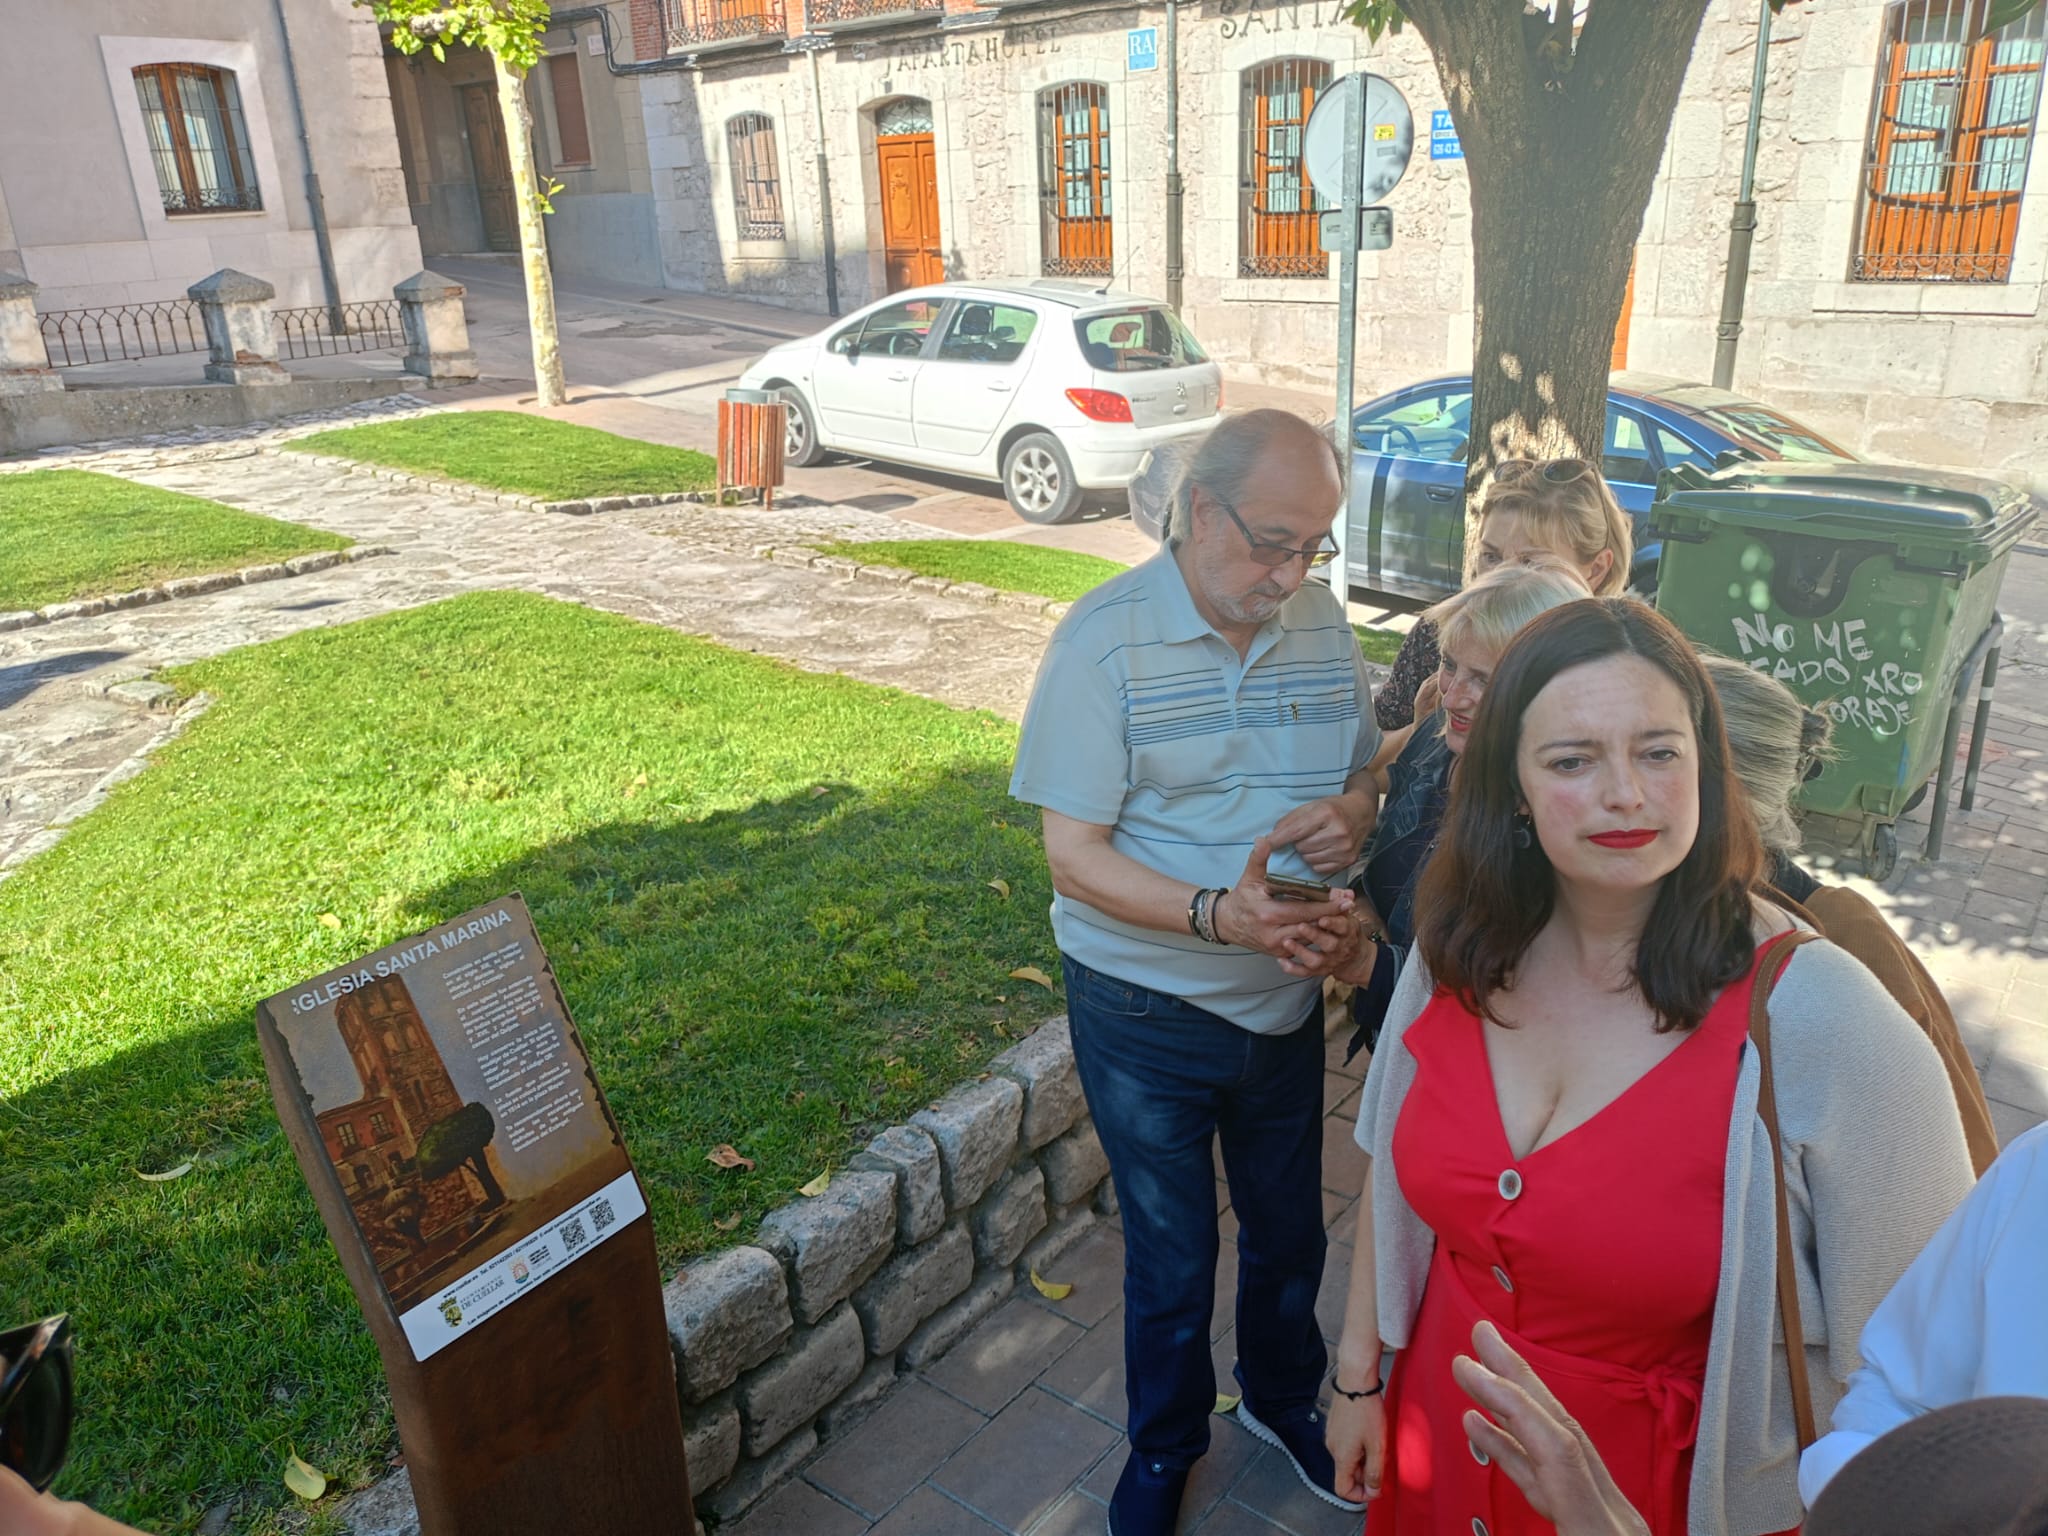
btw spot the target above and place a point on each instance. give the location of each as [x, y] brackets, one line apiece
[572, 1233]
[601, 1214]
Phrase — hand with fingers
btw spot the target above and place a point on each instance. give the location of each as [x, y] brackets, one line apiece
[1246, 916]
[1327, 833]
[1356, 1434]
[1530, 1437]
[1331, 946]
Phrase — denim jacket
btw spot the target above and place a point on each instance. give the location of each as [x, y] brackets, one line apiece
[1418, 787]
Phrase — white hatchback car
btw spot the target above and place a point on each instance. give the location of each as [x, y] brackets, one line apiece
[1054, 388]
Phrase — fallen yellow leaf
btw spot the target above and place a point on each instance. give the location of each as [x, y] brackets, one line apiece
[724, 1156]
[306, 1481]
[167, 1175]
[1001, 888]
[1226, 1402]
[819, 790]
[728, 1224]
[329, 920]
[818, 1185]
[1032, 973]
[1051, 1290]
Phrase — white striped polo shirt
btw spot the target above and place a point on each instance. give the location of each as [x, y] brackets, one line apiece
[1143, 719]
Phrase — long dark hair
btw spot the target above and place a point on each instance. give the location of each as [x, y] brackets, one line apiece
[1483, 900]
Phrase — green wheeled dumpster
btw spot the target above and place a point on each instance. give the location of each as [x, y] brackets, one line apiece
[1870, 591]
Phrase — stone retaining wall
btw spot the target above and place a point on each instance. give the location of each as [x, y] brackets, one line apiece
[786, 1342]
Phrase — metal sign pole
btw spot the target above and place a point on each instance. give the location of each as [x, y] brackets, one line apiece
[1347, 322]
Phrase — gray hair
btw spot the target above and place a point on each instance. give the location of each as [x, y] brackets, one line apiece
[1772, 740]
[1228, 459]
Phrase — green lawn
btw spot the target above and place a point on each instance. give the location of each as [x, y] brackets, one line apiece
[994, 563]
[1012, 567]
[1380, 645]
[527, 455]
[67, 533]
[765, 893]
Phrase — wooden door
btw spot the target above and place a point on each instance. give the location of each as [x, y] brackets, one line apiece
[909, 166]
[492, 166]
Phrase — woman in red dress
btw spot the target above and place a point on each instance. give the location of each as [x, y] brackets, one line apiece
[1562, 1115]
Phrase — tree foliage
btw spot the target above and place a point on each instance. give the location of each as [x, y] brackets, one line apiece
[508, 29]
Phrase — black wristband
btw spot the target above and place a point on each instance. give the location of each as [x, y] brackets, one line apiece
[1357, 1397]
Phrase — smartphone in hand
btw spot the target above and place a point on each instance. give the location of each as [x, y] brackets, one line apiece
[1285, 888]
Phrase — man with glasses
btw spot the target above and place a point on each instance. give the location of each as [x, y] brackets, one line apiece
[1194, 719]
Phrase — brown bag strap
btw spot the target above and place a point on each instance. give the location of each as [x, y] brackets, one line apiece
[1777, 953]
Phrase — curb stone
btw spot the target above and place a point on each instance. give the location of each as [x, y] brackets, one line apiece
[192, 586]
[902, 576]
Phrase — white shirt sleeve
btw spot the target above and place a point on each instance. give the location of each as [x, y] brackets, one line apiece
[1965, 1320]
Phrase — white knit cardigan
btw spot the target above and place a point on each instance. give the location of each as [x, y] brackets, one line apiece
[1874, 1162]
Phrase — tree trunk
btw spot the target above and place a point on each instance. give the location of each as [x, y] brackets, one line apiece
[533, 245]
[1562, 140]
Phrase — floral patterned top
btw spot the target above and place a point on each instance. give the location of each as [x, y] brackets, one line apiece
[1394, 705]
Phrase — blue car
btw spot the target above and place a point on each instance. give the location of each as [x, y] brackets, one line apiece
[1407, 518]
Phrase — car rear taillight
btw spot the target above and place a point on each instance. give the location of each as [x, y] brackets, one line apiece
[1100, 404]
[1219, 394]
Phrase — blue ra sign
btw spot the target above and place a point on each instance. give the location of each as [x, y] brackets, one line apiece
[1443, 137]
[1143, 43]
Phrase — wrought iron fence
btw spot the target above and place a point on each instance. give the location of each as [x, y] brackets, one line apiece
[1952, 127]
[118, 332]
[371, 326]
[692, 24]
[839, 13]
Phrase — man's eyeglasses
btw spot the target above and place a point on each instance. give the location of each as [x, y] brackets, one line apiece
[35, 1399]
[1277, 554]
[1551, 471]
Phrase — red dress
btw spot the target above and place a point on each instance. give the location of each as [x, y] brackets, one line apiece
[1597, 1256]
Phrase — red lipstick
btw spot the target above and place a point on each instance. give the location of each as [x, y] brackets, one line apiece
[1630, 839]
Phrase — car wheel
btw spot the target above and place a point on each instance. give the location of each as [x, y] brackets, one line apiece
[800, 445]
[1038, 479]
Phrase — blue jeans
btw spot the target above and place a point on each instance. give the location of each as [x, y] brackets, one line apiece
[1164, 1080]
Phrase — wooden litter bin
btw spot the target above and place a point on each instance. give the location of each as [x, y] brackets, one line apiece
[752, 429]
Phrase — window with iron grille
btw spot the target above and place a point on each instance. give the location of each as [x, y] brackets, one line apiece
[1073, 180]
[1951, 130]
[1277, 235]
[756, 189]
[198, 141]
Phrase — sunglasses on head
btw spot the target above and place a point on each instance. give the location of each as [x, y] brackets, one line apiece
[1552, 471]
[35, 1399]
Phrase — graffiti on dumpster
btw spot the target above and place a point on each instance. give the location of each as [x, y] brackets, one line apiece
[1875, 695]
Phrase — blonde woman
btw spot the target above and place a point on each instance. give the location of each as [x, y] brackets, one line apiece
[1559, 508]
[1472, 627]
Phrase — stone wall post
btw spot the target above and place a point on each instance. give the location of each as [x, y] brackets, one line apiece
[24, 361]
[436, 334]
[241, 338]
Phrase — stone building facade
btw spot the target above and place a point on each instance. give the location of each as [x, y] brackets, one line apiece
[147, 143]
[1950, 365]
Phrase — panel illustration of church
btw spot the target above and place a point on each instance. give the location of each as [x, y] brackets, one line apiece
[413, 1224]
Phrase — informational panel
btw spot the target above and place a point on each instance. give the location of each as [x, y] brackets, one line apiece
[475, 1185]
[1142, 49]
